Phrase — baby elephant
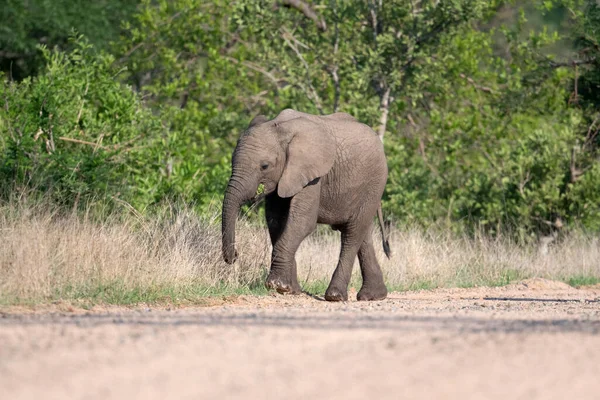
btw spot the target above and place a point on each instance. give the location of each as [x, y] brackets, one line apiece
[327, 169]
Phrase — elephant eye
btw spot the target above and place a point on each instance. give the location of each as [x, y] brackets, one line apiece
[264, 166]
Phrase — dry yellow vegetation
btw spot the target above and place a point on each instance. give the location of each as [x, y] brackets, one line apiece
[46, 255]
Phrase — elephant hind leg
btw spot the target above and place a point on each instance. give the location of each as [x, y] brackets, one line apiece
[352, 237]
[373, 287]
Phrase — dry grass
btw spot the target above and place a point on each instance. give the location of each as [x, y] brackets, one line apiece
[427, 259]
[45, 255]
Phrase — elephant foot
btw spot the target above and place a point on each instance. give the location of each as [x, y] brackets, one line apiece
[370, 293]
[333, 294]
[283, 286]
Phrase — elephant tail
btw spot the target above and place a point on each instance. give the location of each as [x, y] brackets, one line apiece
[384, 235]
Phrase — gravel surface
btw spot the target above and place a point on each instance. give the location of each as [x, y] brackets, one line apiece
[534, 340]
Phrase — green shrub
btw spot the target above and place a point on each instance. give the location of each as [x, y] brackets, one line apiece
[27, 24]
[75, 132]
[485, 130]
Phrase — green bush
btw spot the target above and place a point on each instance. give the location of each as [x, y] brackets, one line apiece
[76, 133]
[496, 145]
[27, 24]
[486, 128]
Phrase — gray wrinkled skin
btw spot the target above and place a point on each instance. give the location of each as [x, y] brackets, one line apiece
[315, 169]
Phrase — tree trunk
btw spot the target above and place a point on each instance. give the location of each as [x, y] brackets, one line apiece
[384, 106]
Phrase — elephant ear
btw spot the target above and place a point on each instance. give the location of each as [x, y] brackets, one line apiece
[310, 155]
[259, 119]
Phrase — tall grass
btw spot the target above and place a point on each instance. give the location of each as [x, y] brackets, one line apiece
[47, 255]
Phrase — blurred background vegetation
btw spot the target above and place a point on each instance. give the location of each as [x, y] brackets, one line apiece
[489, 110]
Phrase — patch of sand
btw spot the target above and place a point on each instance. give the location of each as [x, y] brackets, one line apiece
[537, 339]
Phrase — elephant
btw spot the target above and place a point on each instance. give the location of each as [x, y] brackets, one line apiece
[327, 169]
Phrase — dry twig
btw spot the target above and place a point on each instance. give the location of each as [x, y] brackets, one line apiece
[308, 12]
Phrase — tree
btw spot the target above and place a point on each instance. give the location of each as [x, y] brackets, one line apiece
[489, 122]
[51, 22]
[368, 59]
[77, 135]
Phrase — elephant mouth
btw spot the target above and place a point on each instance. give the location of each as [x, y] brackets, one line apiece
[257, 199]
[260, 195]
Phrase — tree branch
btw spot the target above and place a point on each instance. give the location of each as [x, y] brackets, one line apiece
[95, 145]
[305, 9]
[431, 167]
[334, 70]
[8, 54]
[256, 68]
[384, 106]
[313, 93]
[477, 86]
[576, 173]
[591, 134]
[523, 183]
[571, 63]
[374, 22]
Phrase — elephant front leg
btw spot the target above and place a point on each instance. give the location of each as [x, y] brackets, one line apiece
[284, 280]
[290, 221]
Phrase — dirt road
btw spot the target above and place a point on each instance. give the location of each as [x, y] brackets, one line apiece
[535, 340]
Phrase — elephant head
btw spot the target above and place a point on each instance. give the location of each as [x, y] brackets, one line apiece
[283, 155]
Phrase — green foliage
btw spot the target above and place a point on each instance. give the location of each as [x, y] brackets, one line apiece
[27, 24]
[489, 110]
[474, 138]
[179, 55]
[75, 132]
[118, 292]
[368, 49]
[582, 280]
[183, 54]
[491, 151]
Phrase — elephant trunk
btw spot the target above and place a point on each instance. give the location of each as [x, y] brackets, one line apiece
[237, 193]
